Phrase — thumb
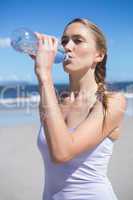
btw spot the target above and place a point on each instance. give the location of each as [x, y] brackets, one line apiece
[33, 57]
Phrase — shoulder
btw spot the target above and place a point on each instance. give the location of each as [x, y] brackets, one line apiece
[116, 107]
[115, 110]
[117, 102]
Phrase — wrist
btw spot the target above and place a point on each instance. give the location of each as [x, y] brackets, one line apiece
[47, 78]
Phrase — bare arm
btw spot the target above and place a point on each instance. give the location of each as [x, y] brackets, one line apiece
[64, 146]
[90, 131]
[58, 138]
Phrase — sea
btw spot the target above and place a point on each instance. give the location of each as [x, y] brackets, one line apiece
[19, 100]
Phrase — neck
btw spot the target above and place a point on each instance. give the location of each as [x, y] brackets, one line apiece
[83, 85]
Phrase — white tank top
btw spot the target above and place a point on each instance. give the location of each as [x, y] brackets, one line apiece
[79, 177]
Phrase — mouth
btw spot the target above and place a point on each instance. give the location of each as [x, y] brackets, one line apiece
[67, 61]
[69, 57]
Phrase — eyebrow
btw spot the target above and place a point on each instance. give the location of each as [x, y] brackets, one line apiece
[75, 35]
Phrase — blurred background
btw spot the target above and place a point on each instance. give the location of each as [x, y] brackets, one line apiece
[21, 168]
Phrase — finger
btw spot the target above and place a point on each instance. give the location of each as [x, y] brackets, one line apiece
[46, 42]
[41, 37]
[50, 42]
[32, 56]
[38, 35]
[55, 42]
[40, 45]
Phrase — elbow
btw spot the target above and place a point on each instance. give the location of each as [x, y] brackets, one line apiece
[61, 159]
[123, 102]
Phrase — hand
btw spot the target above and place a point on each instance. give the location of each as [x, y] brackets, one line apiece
[44, 59]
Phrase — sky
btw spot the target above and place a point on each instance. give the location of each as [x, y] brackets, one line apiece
[114, 17]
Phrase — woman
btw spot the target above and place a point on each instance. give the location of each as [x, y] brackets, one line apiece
[78, 133]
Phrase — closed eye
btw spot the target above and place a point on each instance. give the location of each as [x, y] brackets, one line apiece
[76, 41]
[64, 42]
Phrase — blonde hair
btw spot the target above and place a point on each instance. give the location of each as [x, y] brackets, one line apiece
[100, 70]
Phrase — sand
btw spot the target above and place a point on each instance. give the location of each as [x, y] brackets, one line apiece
[21, 166]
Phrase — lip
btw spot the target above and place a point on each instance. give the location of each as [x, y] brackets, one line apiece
[70, 56]
[68, 61]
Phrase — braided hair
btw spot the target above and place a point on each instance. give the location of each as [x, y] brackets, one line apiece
[100, 70]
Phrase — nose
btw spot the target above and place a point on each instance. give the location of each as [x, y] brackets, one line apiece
[69, 46]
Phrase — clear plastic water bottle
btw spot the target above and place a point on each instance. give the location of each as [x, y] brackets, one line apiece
[24, 40]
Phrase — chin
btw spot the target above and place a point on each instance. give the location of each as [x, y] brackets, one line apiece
[70, 67]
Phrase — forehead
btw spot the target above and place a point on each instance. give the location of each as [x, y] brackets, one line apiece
[78, 29]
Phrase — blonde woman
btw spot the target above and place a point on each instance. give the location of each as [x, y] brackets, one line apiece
[77, 134]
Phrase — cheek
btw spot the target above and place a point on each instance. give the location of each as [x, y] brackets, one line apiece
[85, 51]
[85, 57]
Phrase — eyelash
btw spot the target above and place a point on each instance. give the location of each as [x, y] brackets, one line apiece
[77, 41]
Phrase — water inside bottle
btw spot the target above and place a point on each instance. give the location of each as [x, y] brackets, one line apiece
[24, 40]
[28, 48]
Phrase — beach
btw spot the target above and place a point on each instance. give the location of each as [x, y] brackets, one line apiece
[21, 165]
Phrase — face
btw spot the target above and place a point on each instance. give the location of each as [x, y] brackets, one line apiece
[78, 41]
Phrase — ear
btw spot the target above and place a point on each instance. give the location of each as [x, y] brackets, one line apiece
[99, 56]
